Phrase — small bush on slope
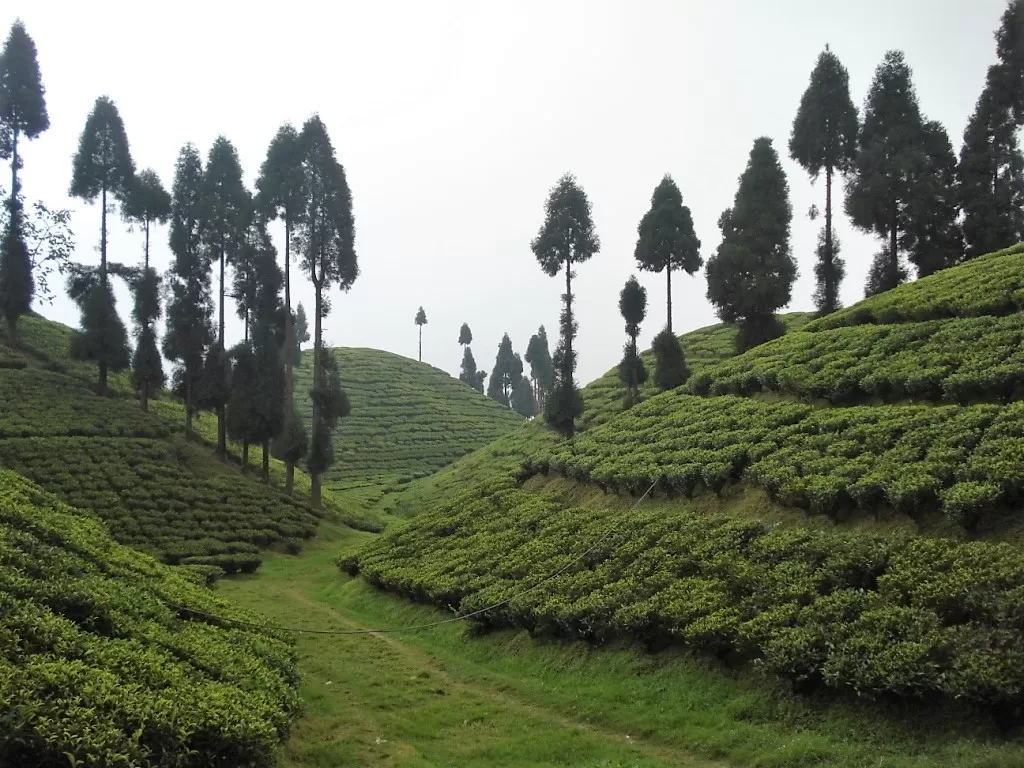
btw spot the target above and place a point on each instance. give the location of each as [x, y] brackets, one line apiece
[876, 615]
[95, 666]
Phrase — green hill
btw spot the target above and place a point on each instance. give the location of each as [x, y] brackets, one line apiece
[866, 548]
[104, 660]
[408, 418]
[157, 492]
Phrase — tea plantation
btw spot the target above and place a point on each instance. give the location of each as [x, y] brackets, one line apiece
[907, 408]
[104, 662]
[408, 419]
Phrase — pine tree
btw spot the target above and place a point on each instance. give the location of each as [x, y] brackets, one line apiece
[330, 405]
[891, 160]
[880, 276]
[542, 369]
[566, 237]
[148, 203]
[329, 258]
[633, 307]
[1010, 50]
[225, 207]
[666, 239]
[16, 284]
[991, 172]
[522, 398]
[499, 386]
[280, 189]
[468, 373]
[829, 271]
[751, 275]
[465, 334]
[103, 168]
[22, 97]
[421, 320]
[189, 331]
[934, 210]
[824, 137]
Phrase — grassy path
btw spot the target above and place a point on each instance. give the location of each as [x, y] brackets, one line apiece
[436, 698]
[381, 700]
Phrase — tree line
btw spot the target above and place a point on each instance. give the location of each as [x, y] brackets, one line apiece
[903, 183]
[216, 226]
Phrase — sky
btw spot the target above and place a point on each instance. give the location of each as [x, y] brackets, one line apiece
[454, 119]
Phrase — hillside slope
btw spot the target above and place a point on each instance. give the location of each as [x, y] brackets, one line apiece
[408, 419]
[722, 559]
[103, 662]
[157, 492]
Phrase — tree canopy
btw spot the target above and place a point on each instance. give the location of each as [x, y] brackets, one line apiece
[23, 110]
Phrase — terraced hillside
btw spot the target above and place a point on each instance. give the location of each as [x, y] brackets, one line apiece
[906, 584]
[408, 419]
[158, 492]
[105, 659]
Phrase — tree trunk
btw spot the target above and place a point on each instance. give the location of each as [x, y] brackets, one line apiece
[421, 344]
[144, 389]
[102, 386]
[222, 443]
[289, 345]
[567, 364]
[314, 489]
[245, 455]
[668, 271]
[144, 396]
[830, 287]
[266, 462]
[14, 164]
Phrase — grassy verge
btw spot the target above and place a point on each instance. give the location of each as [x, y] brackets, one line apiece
[438, 697]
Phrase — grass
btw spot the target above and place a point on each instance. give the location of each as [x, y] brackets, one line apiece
[408, 418]
[441, 697]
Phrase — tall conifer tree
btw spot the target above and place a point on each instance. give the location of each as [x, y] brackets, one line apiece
[23, 111]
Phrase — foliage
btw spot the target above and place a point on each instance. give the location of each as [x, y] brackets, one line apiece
[937, 236]
[103, 164]
[751, 275]
[16, 284]
[566, 237]
[114, 662]
[665, 237]
[508, 368]
[103, 338]
[633, 308]
[522, 400]
[465, 334]
[542, 368]
[991, 171]
[670, 369]
[407, 421]
[22, 97]
[301, 332]
[189, 306]
[468, 374]
[1010, 50]
[824, 137]
[48, 238]
[825, 609]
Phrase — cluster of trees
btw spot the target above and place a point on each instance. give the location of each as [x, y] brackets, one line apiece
[216, 224]
[509, 386]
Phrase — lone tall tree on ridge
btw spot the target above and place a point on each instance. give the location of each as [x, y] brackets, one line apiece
[666, 239]
[566, 237]
[22, 97]
[421, 320]
[824, 137]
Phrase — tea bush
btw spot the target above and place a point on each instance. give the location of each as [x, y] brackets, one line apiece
[104, 659]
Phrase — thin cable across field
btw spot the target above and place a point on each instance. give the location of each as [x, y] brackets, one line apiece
[428, 625]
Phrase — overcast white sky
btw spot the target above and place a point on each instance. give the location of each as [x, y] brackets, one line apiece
[453, 119]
